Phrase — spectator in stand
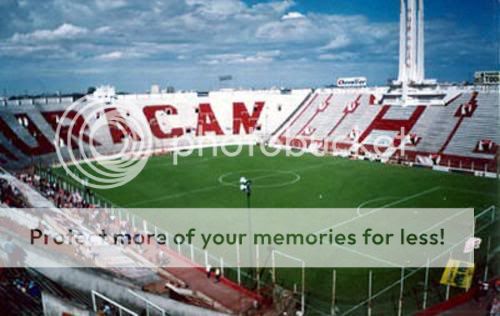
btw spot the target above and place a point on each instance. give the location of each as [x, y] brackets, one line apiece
[15, 254]
[162, 259]
[109, 310]
[9, 248]
[106, 310]
[484, 287]
[11, 196]
[482, 290]
[494, 309]
[33, 289]
[19, 284]
[61, 197]
[218, 275]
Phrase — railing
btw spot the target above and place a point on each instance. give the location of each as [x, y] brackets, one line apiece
[121, 308]
[148, 304]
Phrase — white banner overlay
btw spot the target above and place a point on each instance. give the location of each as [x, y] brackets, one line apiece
[263, 238]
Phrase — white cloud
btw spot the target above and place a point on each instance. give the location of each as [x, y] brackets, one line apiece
[292, 15]
[337, 57]
[278, 7]
[110, 56]
[121, 54]
[103, 30]
[10, 49]
[338, 42]
[217, 8]
[237, 58]
[286, 30]
[110, 4]
[65, 31]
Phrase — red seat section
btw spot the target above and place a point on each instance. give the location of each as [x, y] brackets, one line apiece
[465, 110]
[459, 134]
[397, 125]
[43, 144]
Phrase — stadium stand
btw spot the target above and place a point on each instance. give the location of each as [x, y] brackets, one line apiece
[354, 121]
[168, 120]
[347, 118]
[188, 285]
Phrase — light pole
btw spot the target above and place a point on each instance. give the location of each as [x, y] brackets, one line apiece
[246, 187]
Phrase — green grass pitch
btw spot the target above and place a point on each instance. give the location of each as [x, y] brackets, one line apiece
[309, 181]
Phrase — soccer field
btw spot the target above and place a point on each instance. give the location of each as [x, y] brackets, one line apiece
[305, 181]
[309, 182]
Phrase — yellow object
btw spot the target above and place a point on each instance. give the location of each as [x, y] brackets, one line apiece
[458, 274]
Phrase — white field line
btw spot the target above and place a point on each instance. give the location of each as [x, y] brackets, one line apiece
[387, 262]
[387, 205]
[383, 198]
[448, 219]
[373, 211]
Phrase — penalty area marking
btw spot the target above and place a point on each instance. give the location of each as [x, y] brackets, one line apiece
[383, 198]
[270, 174]
[373, 211]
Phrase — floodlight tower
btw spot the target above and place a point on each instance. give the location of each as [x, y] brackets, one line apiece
[411, 42]
[412, 88]
[411, 76]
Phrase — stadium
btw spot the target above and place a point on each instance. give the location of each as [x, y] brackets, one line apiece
[321, 160]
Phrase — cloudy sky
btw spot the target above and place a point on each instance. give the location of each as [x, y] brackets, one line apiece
[63, 45]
